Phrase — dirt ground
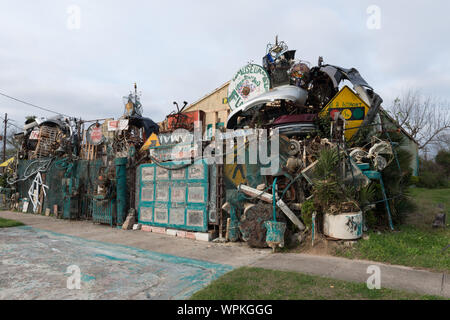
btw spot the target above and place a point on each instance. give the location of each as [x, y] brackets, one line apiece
[322, 245]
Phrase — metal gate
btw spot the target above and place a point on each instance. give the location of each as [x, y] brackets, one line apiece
[177, 199]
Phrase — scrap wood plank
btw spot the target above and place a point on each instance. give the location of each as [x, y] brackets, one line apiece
[85, 151]
[227, 233]
[83, 145]
[41, 198]
[41, 194]
[35, 152]
[267, 197]
[90, 151]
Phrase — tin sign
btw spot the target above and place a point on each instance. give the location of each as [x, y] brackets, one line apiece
[248, 83]
[352, 108]
[34, 135]
[114, 125]
[95, 135]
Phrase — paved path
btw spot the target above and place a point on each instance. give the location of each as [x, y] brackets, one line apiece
[393, 277]
[39, 264]
[238, 254]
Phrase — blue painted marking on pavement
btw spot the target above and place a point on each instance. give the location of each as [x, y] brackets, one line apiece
[34, 263]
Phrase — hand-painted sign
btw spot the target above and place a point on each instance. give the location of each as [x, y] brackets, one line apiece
[114, 125]
[34, 135]
[351, 107]
[248, 83]
[95, 135]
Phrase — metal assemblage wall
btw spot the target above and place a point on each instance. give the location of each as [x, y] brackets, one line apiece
[179, 199]
[72, 188]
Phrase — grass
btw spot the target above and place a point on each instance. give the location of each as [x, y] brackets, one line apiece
[261, 284]
[411, 246]
[426, 201]
[415, 243]
[7, 223]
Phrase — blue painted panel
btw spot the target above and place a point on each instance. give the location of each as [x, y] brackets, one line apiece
[178, 198]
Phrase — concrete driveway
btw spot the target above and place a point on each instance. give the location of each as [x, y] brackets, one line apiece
[119, 264]
[34, 265]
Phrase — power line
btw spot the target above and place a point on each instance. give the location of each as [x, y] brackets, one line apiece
[11, 124]
[33, 105]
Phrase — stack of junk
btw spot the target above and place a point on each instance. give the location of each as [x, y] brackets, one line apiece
[172, 178]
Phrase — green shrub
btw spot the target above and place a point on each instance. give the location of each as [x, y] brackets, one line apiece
[414, 181]
[432, 174]
[3, 182]
[370, 219]
[443, 159]
[307, 210]
[431, 180]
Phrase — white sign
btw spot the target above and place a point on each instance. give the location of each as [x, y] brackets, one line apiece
[114, 125]
[248, 83]
[34, 135]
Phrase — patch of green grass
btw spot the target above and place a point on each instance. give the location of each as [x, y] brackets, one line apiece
[414, 244]
[410, 246]
[426, 201]
[435, 195]
[255, 283]
[7, 223]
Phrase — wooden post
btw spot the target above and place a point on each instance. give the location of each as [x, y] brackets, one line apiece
[4, 140]
[41, 194]
[227, 233]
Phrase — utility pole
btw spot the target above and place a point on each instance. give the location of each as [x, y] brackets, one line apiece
[4, 138]
[425, 151]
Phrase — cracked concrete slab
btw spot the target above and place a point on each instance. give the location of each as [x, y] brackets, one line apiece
[41, 264]
[239, 254]
[234, 254]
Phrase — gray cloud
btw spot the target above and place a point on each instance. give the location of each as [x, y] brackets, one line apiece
[179, 50]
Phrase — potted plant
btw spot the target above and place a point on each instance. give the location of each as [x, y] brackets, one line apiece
[342, 217]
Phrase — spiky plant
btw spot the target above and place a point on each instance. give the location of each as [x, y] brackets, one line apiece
[396, 178]
[327, 189]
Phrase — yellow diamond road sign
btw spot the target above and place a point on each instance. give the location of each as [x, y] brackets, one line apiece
[352, 108]
[152, 141]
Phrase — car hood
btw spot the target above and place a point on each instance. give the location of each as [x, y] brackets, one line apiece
[286, 92]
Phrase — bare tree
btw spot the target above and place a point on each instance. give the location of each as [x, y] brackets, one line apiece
[425, 118]
[443, 141]
[12, 142]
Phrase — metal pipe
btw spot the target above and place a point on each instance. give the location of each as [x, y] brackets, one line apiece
[274, 200]
[121, 189]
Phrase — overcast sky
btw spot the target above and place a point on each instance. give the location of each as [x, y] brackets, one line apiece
[181, 50]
